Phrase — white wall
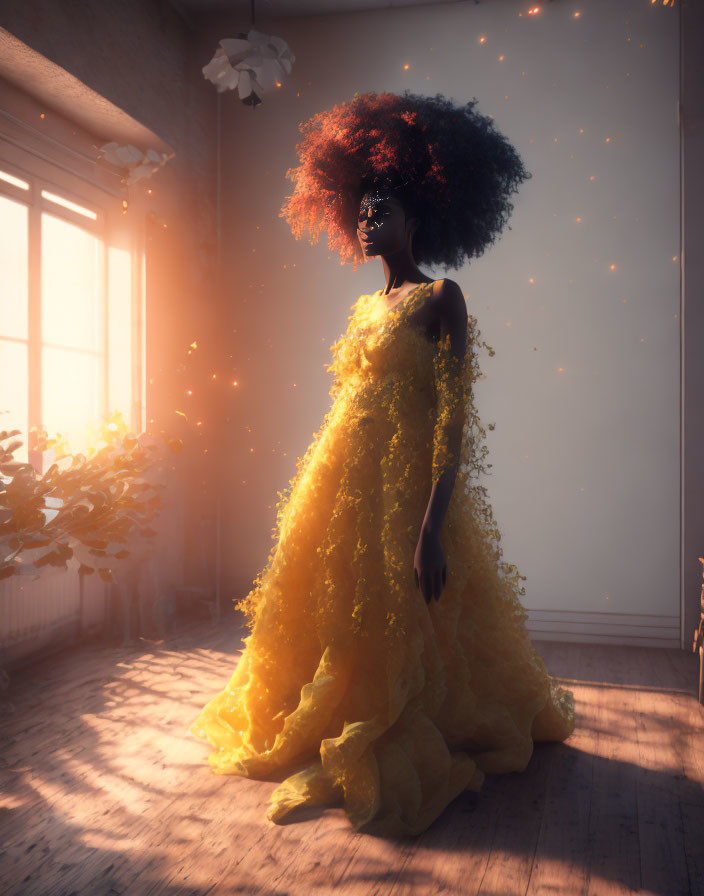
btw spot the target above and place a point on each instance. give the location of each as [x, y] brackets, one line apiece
[584, 387]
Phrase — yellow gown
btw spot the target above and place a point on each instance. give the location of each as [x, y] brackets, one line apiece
[349, 683]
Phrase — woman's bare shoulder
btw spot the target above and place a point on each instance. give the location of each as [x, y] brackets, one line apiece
[448, 298]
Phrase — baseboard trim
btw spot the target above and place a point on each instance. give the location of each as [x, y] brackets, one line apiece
[588, 627]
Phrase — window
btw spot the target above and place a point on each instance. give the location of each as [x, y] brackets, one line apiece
[71, 306]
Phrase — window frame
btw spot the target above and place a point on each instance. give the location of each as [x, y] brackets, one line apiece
[113, 227]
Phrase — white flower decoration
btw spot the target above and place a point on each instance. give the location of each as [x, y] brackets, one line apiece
[140, 164]
[253, 63]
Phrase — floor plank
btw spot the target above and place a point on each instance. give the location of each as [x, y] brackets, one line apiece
[661, 832]
[104, 791]
[561, 850]
[614, 860]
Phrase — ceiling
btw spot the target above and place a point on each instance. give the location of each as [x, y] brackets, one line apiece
[275, 9]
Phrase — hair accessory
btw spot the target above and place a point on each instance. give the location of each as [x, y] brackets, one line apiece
[380, 191]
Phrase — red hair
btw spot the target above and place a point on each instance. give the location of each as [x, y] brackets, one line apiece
[454, 165]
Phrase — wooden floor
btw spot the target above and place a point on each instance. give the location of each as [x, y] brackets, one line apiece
[103, 791]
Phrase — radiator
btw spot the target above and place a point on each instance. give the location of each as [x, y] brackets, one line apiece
[54, 607]
[28, 607]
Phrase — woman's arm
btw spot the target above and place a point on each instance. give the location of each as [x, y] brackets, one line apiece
[429, 563]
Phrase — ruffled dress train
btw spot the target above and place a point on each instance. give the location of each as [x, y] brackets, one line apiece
[349, 683]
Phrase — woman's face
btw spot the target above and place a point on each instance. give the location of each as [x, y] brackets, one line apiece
[382, 227]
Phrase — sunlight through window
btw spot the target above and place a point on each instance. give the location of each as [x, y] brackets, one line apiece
[70, 306]
[70, 317]
[70, 393]
[15, 181]
[66, 203]
[14, 369]
[71, 350]
[120, 331]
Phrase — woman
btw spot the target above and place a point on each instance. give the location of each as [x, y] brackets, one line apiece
[388, 665]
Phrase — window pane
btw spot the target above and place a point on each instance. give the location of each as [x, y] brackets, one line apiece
[70, 294]
[61, 200]
[70, 394]
[15, 181]
[120, 332]
[14, 391]
[13, 268]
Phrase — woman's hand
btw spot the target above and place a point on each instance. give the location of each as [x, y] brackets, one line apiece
[429, 566]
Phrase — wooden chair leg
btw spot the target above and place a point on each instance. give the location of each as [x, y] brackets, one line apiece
[699, 643]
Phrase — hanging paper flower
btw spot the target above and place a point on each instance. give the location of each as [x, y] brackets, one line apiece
[253, 63]
[140, 164]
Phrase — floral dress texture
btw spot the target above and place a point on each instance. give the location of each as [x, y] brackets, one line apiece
[350, 686]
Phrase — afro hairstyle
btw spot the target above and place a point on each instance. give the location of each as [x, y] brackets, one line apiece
[446, 163]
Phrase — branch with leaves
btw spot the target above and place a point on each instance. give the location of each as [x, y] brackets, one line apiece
[96, 509]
